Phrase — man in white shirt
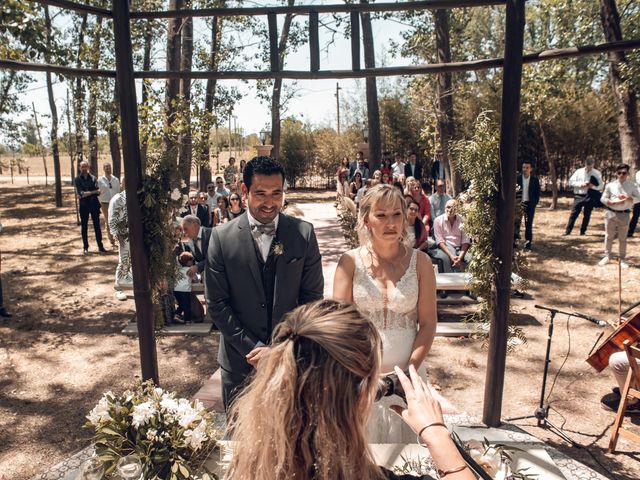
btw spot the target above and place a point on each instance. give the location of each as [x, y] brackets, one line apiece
[397, 169]
[586, 183]
[109, 186]
[636, 211]
[119, 228]
[618, 198]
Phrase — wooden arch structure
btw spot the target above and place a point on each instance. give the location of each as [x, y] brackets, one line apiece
[511, 63]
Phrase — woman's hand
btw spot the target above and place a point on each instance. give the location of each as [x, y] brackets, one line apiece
[421, 409]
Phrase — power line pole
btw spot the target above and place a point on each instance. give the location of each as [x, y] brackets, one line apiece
[337, 94]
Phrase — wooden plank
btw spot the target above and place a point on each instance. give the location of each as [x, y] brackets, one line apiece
[505, 212]
[423, 69]
[314, 42]
[76, 7]
[133, 173]
[306, 9]
[355, 41]
[273, 42]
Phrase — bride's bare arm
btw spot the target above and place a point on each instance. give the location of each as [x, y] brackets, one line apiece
[427, 310]
[343, 279]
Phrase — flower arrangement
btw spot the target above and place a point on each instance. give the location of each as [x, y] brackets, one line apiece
[171, 436]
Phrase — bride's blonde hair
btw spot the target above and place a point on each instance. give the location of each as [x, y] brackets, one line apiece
[303, 415]
[380, 194]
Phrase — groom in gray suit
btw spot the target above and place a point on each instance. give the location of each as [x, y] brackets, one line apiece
[259, 267]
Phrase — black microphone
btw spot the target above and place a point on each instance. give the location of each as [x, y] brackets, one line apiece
[600, 323]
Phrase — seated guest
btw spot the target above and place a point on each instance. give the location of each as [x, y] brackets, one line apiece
[453, 243]
[221, 214]
[414, 189]
[367, 185]
[235, 206]
[619, 364]
[386, 167]
[377, 175]
[386, 178]
[417, 233]
[221, 190]
[438, 200]
[355, 185]
[198, 242]
[194, 208]
[318, 384]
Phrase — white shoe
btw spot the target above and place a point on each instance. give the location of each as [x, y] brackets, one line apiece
[121, 296]
[604, 261]
[623, 264]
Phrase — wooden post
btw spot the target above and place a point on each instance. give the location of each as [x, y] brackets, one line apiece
[355, 41]
[505, 212]
[314, 43]
[273, 42]
[133, 174]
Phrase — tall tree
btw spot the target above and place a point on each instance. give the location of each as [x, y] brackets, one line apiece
[174, 41]
[624, 92]
[373, 110]
[55, 150]
[78, 95]
[94, 93]
[186, 61]
[444, 101]
[113, 132]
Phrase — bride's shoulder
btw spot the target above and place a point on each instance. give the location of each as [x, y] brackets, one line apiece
[348, 259]
[423, 261]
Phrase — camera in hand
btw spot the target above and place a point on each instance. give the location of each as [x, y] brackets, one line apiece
[390, 385]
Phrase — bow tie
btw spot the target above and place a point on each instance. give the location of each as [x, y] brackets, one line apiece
[267, 229]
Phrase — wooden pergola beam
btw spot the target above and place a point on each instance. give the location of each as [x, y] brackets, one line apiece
[468, 66]
[355, 42]
[314, 42]
[306, 9]
[76, 7]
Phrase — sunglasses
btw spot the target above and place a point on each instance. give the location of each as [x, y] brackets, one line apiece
[623, 172]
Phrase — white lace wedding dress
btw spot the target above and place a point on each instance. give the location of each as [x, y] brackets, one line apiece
[396, 317]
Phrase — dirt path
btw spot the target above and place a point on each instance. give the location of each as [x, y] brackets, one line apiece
[63, 347]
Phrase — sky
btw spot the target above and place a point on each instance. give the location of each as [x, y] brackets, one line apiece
[315, 101]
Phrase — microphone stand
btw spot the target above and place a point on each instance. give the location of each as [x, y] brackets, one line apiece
[542, 412]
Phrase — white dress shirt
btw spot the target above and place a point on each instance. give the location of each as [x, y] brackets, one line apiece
[108, 188]
[525, 188]
[615, 189]
[263, 241]
[397, 169]
[581, 176]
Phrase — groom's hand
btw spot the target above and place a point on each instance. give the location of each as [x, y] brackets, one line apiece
[257, 354]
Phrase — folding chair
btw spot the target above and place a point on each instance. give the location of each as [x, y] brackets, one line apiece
[629, 391]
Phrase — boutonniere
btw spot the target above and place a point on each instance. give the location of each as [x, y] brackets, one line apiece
[278, 248]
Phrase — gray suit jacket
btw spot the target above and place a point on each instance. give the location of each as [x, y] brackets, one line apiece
[233, 284]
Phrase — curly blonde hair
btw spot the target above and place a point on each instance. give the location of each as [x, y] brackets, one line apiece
[381, 193]
[303, 415]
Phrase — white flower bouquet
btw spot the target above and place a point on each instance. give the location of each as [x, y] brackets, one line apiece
[171, 436]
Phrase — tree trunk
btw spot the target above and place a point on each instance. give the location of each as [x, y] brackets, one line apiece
[444, 106]
[112, 131]
[373, 111]
[146, 66]
[174, 26]
[210, 93]
[185, 145]
[92, 108]
[624, 92]
[4, 95]
[277, 85]
[552, 169]
[78, 98]
[42, 149]
[55, 150]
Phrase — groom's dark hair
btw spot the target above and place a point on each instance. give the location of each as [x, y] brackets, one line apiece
[261, 166]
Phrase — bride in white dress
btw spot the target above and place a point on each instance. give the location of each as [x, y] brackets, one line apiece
[394, 285]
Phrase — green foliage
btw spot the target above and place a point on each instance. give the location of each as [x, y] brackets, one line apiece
[296, 149]
[478, 160]
[348, 220]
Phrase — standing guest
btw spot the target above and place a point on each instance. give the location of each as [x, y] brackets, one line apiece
[193, 207]
[361, 168]
[259, 267]
[109, 186]
[618, 198]
[88, 192]
[221, 190]
[119, 228]
[636, 211]
[529, 195]
[453, 243]
[3, 311]
[583, 181]
[203, 200]
[182, 288]
[414, 190]
[211, 196]
[235, 206]
[417, 234]
[439, 199]
[221, 213]
[342, 176]
[437, 168]
[243, 163]
[386, 167]
[231, 172]
[198, 242]
[397, 169]
[355, 186]
[413, 168]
